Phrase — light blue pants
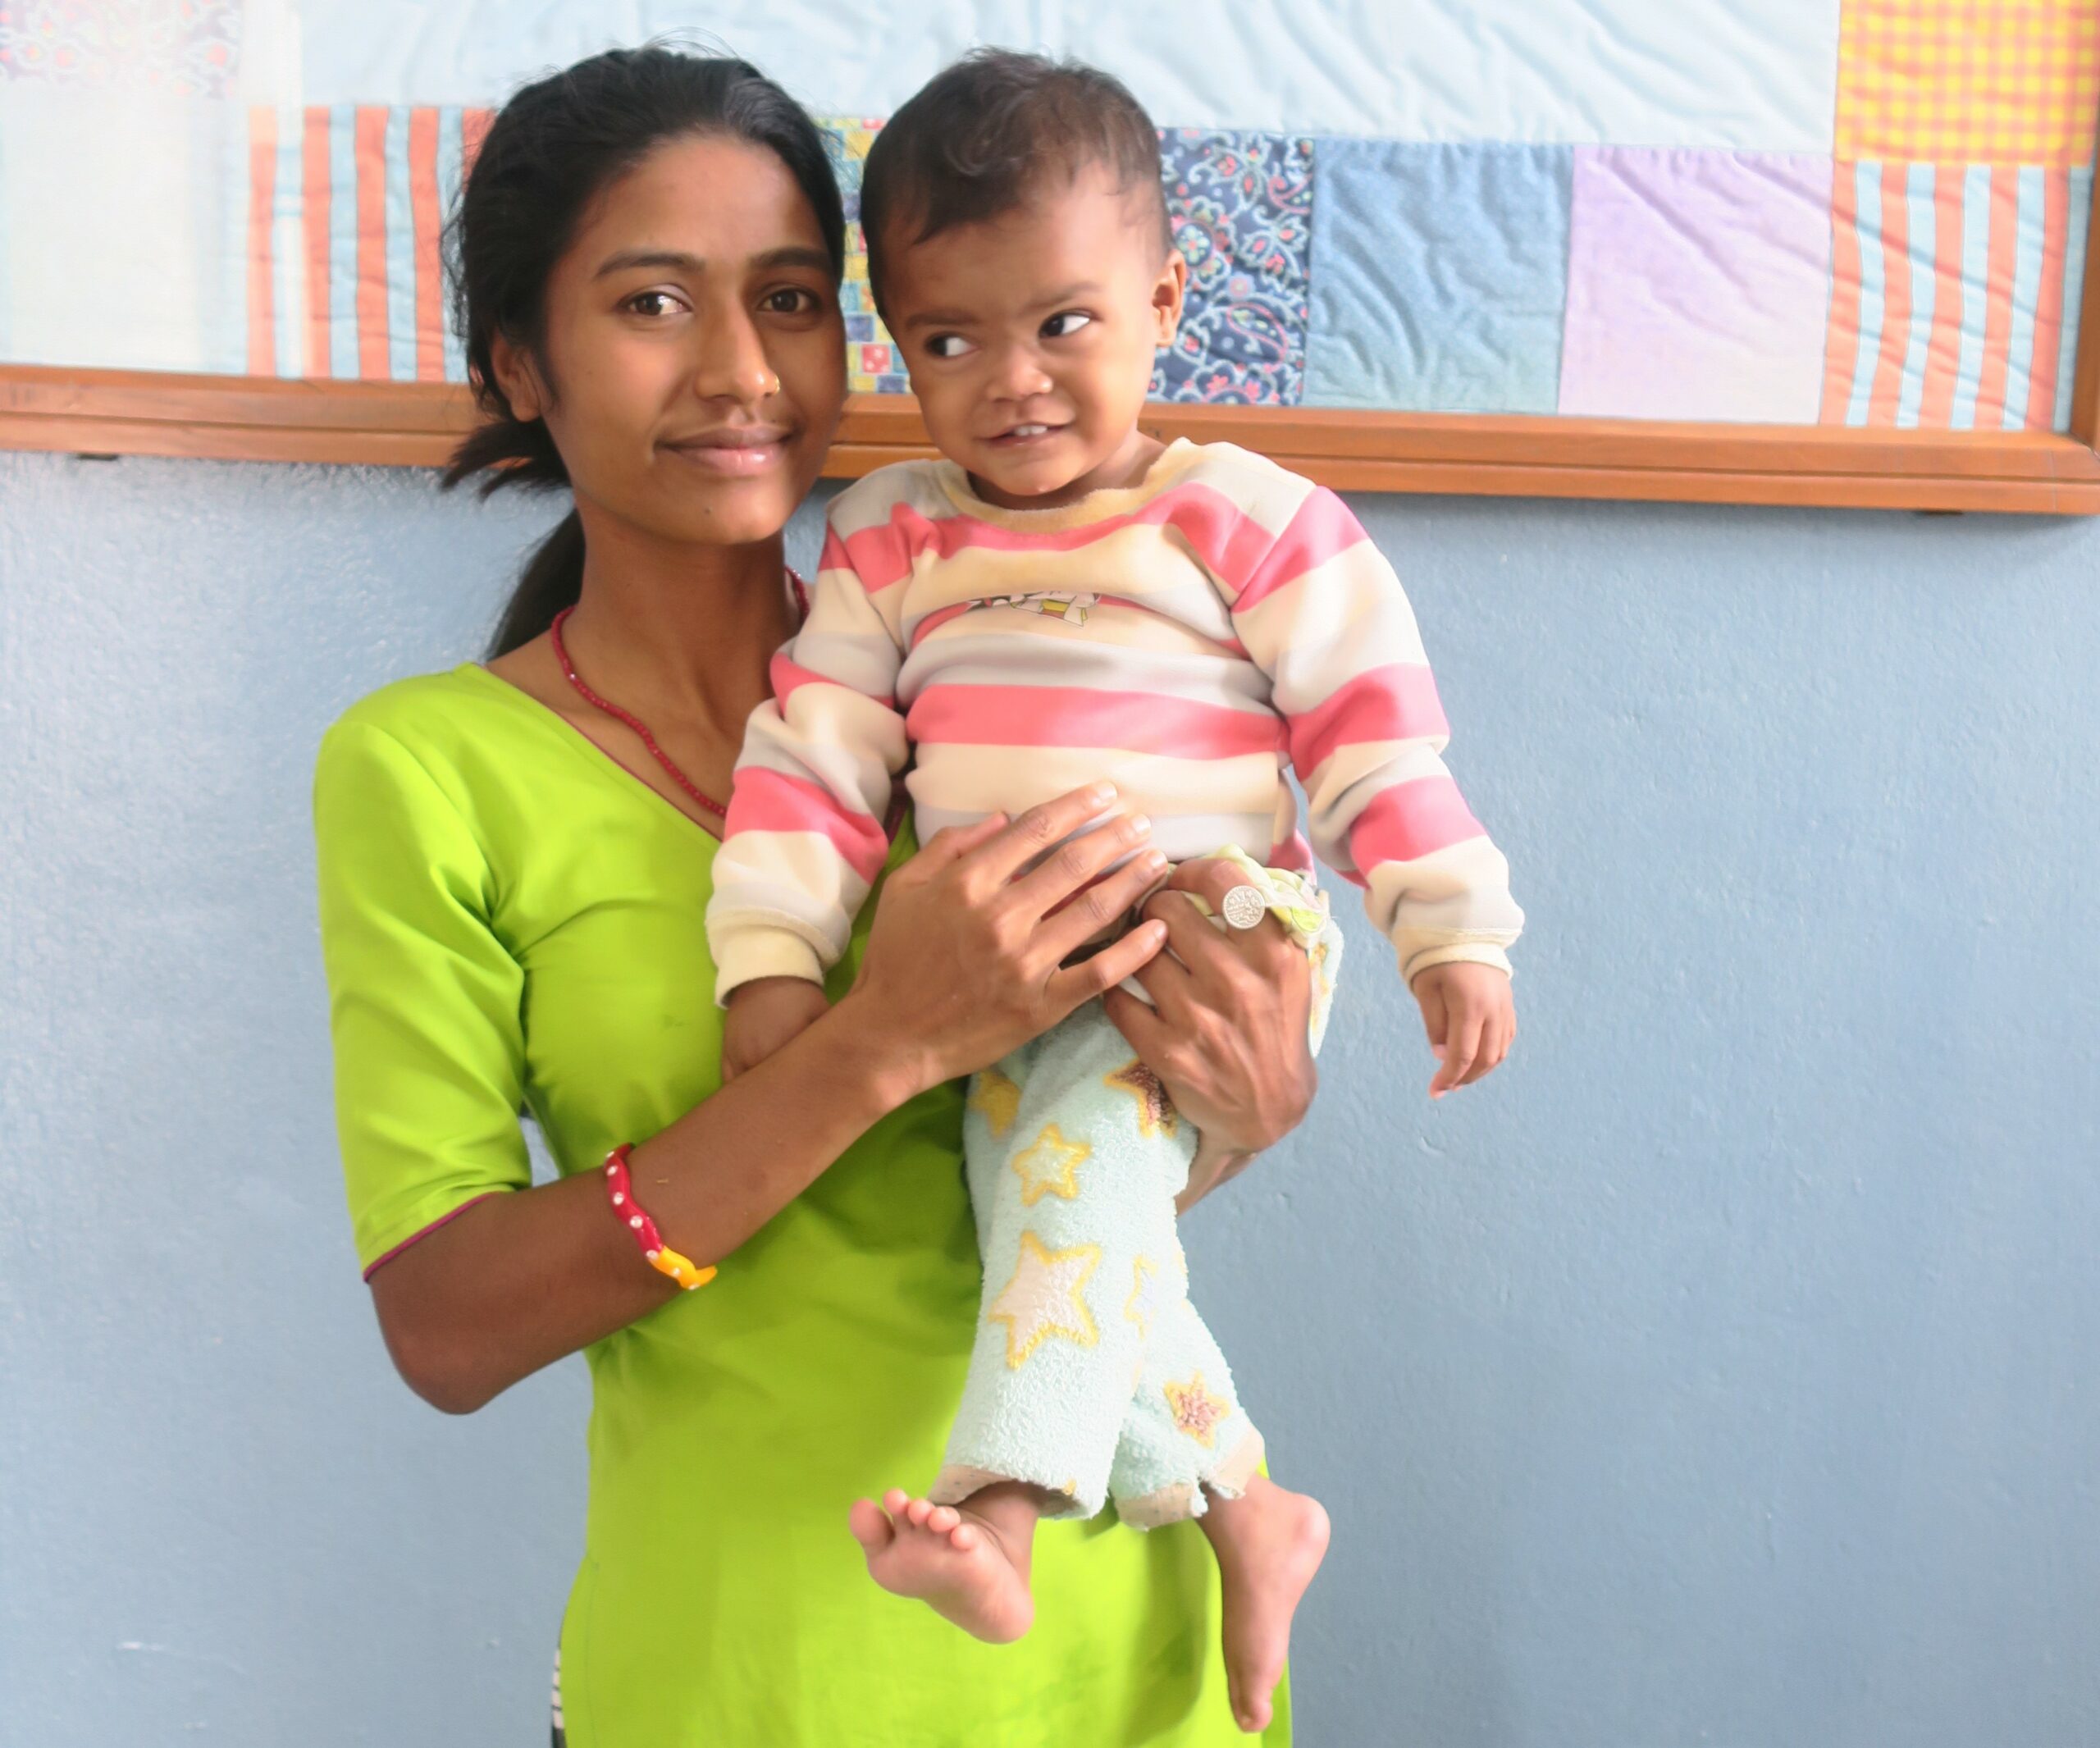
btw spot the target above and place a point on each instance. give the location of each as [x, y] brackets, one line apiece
[1092, 1375]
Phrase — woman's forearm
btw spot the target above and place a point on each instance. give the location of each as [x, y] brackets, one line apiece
[966, 961]
[520, 1280]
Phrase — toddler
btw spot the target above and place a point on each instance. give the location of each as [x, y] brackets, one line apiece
[1061, 600]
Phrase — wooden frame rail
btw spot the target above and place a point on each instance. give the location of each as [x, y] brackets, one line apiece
[143, 413]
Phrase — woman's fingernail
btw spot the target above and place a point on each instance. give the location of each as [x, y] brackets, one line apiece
[1101, 792]
[1137, 825]
[1152, 861]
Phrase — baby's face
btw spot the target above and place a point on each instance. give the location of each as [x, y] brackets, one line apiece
[1030, 338]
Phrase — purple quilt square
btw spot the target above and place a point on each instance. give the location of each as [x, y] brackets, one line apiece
[1698, 283]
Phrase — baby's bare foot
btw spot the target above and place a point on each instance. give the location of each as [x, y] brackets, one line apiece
[1269, 1543]
[957, 1560]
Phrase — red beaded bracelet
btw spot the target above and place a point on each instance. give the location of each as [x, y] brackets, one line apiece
[620, 1187]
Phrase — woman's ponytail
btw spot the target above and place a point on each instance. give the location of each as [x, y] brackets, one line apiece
[553, 580]
[511, 451]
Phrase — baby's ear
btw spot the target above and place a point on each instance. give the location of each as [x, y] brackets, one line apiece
[1168, 292]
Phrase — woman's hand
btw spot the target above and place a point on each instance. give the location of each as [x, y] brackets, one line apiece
[966, 959]
[1226, 1031]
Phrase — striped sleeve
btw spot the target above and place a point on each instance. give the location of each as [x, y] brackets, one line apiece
[1321, 613]
[804, 840]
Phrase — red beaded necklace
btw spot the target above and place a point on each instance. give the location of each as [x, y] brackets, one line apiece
[641, 727]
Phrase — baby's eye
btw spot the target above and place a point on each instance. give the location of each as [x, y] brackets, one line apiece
[1066, 323]
[653, 304]
[947, 345]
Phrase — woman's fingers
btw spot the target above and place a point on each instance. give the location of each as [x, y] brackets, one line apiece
[1062, 878]
[996, 861]
[1218, 960]
[1210, 877]
[1166, 980]
[952, 842]
[1206, 1176]
[1096, 976]
[1099, 909]
[1142, 1027]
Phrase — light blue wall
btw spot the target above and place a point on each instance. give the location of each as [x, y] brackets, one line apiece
[1722, 1372]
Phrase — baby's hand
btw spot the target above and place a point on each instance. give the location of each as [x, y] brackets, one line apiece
[766, 1015]
[1471, 1020]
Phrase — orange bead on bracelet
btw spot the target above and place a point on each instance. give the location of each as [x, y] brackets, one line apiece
[619, 1185]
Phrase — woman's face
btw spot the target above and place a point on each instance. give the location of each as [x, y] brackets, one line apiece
[695, 358]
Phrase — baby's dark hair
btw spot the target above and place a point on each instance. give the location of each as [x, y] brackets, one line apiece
[979, 138]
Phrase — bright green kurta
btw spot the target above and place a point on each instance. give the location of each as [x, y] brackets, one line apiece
[510, 919]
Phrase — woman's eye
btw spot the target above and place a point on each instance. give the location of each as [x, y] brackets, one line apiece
[947, 345]
[653, 304]
[1066, 323]
[791, 300]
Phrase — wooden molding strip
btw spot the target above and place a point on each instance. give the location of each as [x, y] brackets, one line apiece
[2085, 382]
[416, 424]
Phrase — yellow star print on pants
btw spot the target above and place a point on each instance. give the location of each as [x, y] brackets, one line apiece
[1143, 1305]
[1155, 1113]
[1196, 1410]
[1049, 1166]
[1042, 1300]
[996, 1099]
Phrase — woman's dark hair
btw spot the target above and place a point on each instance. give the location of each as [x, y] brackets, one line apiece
[549, 151]
[981, 136]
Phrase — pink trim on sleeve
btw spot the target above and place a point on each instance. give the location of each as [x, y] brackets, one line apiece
[1293, 853]
[789, 677]
[418, 1237]
[767, 801]
[1411, 820]
[1322, 529]
[1397, 702]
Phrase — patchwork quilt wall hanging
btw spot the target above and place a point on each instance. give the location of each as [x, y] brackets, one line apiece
[1866, 213]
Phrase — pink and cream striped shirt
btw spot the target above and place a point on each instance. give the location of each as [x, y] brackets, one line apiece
[1188, 637]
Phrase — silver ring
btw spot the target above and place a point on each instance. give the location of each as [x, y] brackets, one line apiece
[1245, 907]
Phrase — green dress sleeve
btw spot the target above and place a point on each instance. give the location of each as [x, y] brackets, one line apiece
[423, 997]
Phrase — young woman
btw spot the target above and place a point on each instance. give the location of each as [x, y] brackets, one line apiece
[514, 865]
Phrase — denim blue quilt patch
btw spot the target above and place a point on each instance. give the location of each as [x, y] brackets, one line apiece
[1439, 276]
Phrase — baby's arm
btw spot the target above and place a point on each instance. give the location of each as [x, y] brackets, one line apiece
[1471, 1018]
[805, 840]
[765, 1015]
[1324, 614]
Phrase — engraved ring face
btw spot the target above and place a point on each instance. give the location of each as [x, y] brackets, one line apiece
[1244, 906]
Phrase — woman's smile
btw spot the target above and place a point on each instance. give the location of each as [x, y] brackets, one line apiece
[740, 451]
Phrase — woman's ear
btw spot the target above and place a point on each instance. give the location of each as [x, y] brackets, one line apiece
[1168, 293]
[518, 377]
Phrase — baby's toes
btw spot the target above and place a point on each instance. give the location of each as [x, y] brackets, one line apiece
[943, 1518]
[870, 1527]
